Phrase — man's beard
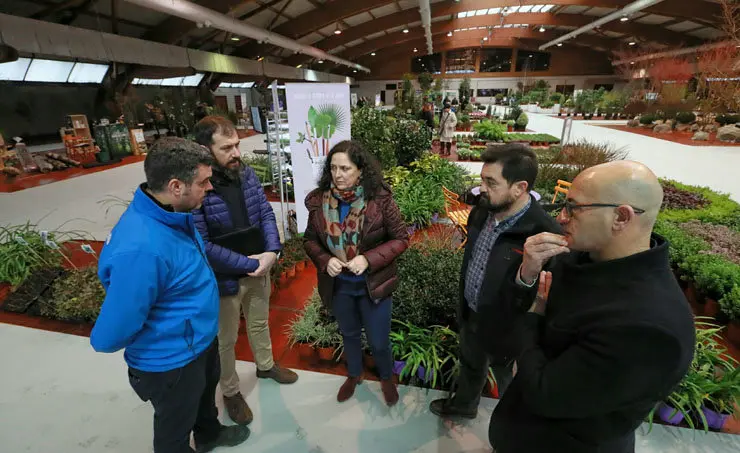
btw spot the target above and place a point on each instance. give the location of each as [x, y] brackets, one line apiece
[485, 203]
[232, 172]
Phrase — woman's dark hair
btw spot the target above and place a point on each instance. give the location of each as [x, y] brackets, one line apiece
[372, 176]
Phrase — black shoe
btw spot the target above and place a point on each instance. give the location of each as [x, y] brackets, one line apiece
[444, 408]
[229, 436]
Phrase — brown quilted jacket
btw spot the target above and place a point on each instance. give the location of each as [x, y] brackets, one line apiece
[383, 238]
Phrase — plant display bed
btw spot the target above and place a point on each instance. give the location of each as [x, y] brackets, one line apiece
[27, 181]
[683, 138]
[595, 118]
[532, 139]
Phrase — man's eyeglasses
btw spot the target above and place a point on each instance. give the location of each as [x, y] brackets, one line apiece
[570, 206]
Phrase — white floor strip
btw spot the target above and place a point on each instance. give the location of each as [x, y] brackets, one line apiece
[58, 395]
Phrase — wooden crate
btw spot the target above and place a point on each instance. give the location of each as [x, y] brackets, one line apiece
[4, 154]
[80, 125]
[80, 149]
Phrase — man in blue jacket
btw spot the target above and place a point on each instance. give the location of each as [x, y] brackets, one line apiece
[162, 301]
[242, 244]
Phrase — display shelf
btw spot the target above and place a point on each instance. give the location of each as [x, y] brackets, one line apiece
[277, 130]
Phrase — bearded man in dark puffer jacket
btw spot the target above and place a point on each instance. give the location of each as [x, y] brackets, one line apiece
[238, 205]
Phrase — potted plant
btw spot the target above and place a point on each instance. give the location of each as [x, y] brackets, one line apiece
[569, 106]
[315, 332]
[76, 296]
[521, 122]
[710, 387]
[730, 306]
[510, 125]
[723, 394]
[465, 122]
[424, 353]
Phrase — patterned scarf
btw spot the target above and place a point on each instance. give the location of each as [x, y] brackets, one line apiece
[343, 238]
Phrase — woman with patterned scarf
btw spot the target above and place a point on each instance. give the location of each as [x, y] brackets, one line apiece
[354, 235]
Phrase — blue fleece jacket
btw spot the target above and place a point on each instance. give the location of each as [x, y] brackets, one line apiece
[162, 298]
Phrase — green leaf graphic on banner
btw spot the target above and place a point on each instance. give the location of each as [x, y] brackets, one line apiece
[312, 114]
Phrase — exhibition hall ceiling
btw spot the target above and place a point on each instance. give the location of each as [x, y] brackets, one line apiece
[370, 32]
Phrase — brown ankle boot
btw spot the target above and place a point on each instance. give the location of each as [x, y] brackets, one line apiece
[390, 393]
[238, 409]
[279, 375]
[348, 389]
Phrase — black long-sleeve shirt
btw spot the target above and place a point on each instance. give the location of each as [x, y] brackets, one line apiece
[615, 339]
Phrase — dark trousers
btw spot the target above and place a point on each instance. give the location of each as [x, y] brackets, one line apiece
[474, 364]
[445, 148]
[354, 310]
[184, 400]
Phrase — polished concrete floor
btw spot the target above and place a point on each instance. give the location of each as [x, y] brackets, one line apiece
[58, 395]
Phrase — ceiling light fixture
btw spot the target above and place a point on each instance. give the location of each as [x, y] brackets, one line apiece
[299, 66]
[632, 62]
[372, 54]
[560, 44]
[321, 61]
[338, 31]
[405, 30]
[485, 38]
[542, 29]
[235, 38]
[632, 43]
[415, 49]
[624, 19]
[449, 33]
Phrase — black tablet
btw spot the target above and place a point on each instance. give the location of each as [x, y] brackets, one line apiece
[247, 242]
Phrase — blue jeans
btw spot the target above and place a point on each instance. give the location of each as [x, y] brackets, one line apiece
[354, 309]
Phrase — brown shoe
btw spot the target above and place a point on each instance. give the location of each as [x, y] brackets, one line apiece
[238, 409]
[390, 393]
[279, 375]
[348, 388]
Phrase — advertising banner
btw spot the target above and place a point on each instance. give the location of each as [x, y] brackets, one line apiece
[318, 118]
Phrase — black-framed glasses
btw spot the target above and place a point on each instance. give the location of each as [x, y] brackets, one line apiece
[570, 206]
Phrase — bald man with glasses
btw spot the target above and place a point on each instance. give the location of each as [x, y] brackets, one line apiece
[609, 332]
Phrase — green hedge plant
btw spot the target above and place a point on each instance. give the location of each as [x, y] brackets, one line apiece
[488, 130]
[721, 209]
[412, 139]
[730, 303]
[682, 244]
[429, 274]
[374, 129]
[713, 275]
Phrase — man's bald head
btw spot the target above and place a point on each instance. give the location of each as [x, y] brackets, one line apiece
[624, 182]
[613, 210]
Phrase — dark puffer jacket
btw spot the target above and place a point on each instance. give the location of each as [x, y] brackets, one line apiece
[214, 215]
[383, 238]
